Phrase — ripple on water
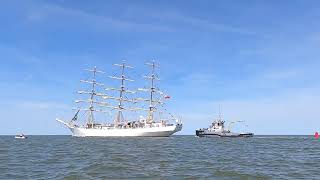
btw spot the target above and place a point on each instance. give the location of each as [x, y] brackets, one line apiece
[176, 157]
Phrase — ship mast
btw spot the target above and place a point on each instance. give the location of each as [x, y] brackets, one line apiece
[152, 103]
[152, 90]
[92, 93]
[122, 90]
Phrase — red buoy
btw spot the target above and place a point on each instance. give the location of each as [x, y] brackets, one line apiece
[316, 135]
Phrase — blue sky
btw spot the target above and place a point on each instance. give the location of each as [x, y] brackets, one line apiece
[258, 59]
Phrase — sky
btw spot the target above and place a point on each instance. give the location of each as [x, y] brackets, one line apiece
[259, 60]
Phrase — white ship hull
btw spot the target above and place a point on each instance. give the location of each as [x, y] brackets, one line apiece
[135, 132]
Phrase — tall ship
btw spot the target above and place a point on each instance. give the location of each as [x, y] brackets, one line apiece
[218, 129]
[153, 119]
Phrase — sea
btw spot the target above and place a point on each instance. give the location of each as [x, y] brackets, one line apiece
[175, 157]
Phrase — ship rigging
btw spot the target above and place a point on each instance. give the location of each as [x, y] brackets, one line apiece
[150, 125]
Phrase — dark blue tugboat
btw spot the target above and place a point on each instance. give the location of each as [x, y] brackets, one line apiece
[217, 129]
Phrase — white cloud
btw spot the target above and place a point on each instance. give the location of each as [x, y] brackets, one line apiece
[201, 79]
[40, 105]
[12, 53]
[33, 117]
[202, 23]
[158, 20]
[185, 21]
[49, 12]
[291, 113]
[274, 108]
[283, 74]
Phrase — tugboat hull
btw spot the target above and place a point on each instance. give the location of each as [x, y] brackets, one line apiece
[202, 133]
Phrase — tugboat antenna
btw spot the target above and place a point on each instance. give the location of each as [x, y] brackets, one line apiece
[220, 115]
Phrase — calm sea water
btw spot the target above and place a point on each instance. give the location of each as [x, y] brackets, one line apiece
[176, 157]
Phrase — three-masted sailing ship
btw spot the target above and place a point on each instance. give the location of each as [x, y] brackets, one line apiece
[148, 124]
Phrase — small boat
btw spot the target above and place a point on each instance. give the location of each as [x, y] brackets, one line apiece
[217, 129]
[20, 136]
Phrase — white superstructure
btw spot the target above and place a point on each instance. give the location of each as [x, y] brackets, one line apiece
[151, 125]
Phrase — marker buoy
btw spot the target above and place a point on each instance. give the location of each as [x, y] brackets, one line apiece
[316, 135]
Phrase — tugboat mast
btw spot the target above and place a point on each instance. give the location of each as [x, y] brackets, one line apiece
[220, 114]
